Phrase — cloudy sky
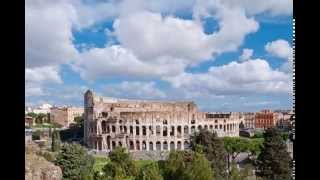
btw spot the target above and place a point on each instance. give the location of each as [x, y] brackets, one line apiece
[226, 55]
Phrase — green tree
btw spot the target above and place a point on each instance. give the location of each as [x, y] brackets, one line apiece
[32, 114]
[234, 146]
[75, 162]
[274, 162]
[187, 165]
[79, 120]
[149, 172]
[255, 147]
[55, 141]
[121, 165]
[41, 118]
[36, 135]
[213, 148]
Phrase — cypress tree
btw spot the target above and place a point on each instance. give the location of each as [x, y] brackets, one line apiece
[274, 161]
[213, 148]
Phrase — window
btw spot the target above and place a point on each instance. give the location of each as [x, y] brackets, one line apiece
[158, 130]
[137, 131]
[131, 130]
[144, 130]
[165, 122]
[165, 131]
[104, 114]
[113, 129]
[137, 121]
[193, 121]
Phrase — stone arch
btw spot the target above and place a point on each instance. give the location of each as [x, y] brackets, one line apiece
[211, 127]
[186, 129]
[172, 147]
[165, 131]
[104, 127]
[144, 130]
[144, 145]
[193, 129]
[131, 145]
[171, 130]
[165, 145]
[113, 144]
[179, 131]
[108, 142]
[125, 129]
[158, 145]
[179, 145]
[131, 129]
[120, 121]
[199, 127]
[137, 145]
[165, 121]
[137, 130]
[186, 145]
[206, 127]
[113, 129]
[120, 143]
[150, 146]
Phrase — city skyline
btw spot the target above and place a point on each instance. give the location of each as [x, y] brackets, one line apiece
[224, 55]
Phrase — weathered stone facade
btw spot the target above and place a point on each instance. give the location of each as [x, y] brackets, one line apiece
[149, 125]
[65, 115]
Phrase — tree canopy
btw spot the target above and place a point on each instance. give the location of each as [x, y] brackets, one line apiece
[75, 162]
[213, 148]
[274, 161]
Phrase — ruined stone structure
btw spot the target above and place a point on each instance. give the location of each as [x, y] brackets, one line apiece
[65, 115]
[149, 125]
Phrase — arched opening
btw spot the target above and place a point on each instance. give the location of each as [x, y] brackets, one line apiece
[172, 146]
[172, 131]
[193, 129]
[205, 127]
[144, 145]
[108, 129]
[151, 146]
[113, 129]
[137, 131]
[165, 131]
[131, 129]
[144, 130]
[165, 145]
[186, 130]
[224, 128]
[211, 127]
[165, 122]
[199, 127]
[100, 144]
[113, 145]
[158, 146]
[120, 143]
[186, 145]
[137, 121]
[193, 121]
[125, 129]
[131, 145]
[121, 129]
[179, 145]
[151, 130]
[137, 145]
[179, 131]
[104, 127]
[108, 142]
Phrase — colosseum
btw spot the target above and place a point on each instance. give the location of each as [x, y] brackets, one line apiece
[141, 125]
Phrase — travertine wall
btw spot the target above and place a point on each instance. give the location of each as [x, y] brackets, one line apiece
[65, 115]
[149, 125]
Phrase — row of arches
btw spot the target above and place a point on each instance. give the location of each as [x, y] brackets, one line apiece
[147, 145]
[163, 130]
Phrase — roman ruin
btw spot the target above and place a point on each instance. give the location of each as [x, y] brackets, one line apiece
[149, 125]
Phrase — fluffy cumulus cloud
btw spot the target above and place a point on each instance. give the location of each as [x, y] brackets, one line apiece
[246, 54]
[135, 89]
[252, 76]
[113, 61]
[48, 32]
[279, 48]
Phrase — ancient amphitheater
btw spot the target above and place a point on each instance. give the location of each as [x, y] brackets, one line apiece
[141, 125]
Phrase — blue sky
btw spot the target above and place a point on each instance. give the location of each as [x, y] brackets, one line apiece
[224, 55]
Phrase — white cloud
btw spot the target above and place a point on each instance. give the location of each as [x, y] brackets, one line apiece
[135, 89]
[47, 74]
[246, 54]
[48, 33]
[118, 61]
[252, 76]
[279, 48]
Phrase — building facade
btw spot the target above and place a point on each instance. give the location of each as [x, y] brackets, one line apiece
[249, 121]
[65, 115]
[284, 120]
[149, 125]
[266, 119]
